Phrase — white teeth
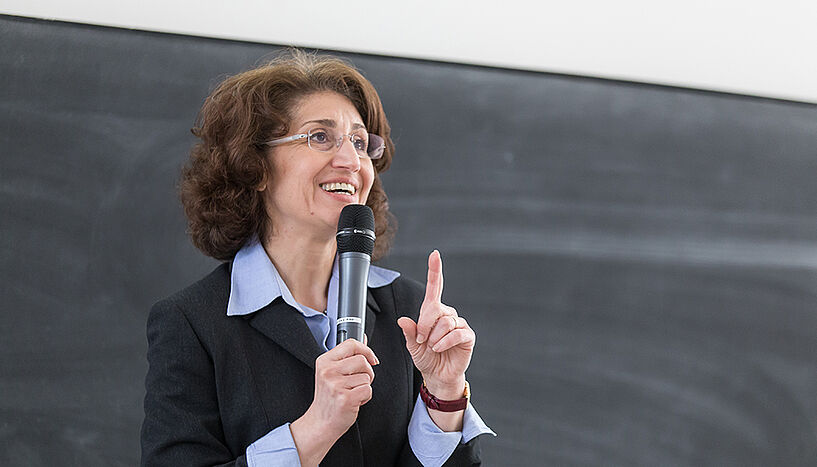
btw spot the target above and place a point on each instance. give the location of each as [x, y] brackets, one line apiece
[343, 187]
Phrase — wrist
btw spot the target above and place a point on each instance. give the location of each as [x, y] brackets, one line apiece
[446, 390]
[448, 415]
[311, 438]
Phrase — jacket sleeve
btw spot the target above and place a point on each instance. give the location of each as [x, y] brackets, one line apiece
[182, 425]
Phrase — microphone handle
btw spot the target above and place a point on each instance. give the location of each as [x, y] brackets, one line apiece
[353, 278]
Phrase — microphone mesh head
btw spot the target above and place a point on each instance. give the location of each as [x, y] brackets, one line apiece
[356, 216]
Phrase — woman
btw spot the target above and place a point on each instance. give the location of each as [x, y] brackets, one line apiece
[243, 366]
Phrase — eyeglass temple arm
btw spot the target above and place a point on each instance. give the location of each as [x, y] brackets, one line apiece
[286, 139]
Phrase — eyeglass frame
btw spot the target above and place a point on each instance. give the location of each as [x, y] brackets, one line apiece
[338, 143]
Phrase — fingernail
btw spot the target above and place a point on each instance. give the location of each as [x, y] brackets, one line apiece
[420, 338]
[376, 361]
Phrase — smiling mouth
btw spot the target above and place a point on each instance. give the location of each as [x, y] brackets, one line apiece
[341, 188]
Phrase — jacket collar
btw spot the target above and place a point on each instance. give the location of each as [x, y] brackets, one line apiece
[258, 294]
[255, 283]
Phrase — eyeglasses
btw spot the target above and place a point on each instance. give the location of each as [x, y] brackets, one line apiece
[325, 140]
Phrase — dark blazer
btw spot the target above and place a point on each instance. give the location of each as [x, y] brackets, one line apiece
[217, 383]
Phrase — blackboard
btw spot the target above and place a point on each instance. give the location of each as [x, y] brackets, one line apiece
[639, 262]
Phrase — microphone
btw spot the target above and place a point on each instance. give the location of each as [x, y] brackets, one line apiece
[355, 245]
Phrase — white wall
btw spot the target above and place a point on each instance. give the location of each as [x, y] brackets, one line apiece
[750, 47]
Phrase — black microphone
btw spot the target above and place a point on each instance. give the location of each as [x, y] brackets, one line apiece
[355, 245]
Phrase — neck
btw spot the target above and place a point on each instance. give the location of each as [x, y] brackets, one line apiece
[304, 263]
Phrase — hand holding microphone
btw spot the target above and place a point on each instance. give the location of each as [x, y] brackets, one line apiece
[343, 383]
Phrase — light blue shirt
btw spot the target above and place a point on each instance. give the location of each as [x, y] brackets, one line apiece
[254, 284]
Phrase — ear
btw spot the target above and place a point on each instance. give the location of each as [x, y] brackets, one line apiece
[266, 174]
[261, 187]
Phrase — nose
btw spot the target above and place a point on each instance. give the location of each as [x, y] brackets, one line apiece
[346, 157]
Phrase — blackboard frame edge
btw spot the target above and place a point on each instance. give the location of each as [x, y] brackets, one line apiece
[433, 62]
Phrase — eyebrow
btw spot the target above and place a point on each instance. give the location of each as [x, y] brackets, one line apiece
[331, 123]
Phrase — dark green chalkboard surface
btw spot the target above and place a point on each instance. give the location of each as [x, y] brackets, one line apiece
[639, 262]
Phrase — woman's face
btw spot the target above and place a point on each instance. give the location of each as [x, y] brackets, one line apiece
[299, 197]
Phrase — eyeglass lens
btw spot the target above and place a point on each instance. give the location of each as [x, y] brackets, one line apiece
[365, 144]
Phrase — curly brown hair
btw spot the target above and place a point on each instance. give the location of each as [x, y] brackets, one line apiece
[219, 183]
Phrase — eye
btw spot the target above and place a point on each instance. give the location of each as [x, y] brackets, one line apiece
[319, 136]
[359, 142]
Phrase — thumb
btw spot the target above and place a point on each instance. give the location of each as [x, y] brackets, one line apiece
[409, 328]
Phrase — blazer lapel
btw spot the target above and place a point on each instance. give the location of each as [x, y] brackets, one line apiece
[372, 309]
[284, 325]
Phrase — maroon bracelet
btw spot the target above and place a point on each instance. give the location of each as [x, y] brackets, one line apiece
[445, 406]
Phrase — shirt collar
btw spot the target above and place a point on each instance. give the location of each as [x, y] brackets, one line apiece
[255, 283]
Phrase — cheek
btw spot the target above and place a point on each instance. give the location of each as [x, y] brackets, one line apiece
[369, 180]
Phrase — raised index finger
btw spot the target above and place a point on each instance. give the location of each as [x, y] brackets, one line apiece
[434, 282]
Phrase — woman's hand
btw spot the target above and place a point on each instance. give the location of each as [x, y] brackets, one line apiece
[343, 382]
[441, 342]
